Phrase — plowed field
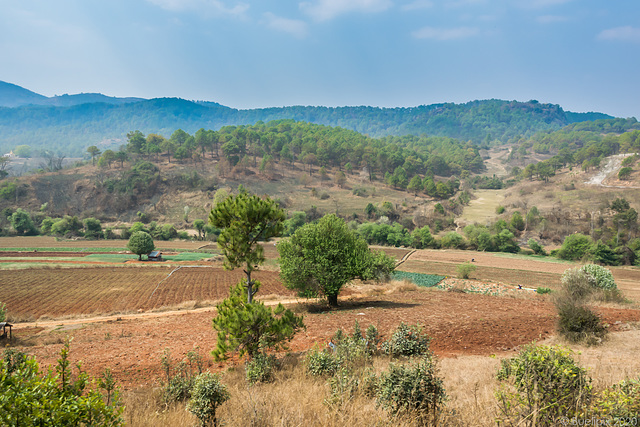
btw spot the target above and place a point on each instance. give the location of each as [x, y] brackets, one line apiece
[56, 292]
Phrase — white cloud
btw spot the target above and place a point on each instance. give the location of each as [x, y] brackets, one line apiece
[417, 4]
[292, 26]
[205, 6]
[551, 19]
[445, 33]
[323, 10]
[627, 34]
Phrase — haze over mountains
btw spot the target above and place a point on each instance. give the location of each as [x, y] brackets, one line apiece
[68, 124]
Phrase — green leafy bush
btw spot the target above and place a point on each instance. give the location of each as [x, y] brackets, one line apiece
[577, 285]
[414, 388]
[541, 386]
[33, 398]
[602, 277]
[260, 368]
[575, 247]
[180, 379]
[536, 247]
[465, 269]
[618, 404]
[207, 395]
[542, 290]
[407, 341]
[321, 363]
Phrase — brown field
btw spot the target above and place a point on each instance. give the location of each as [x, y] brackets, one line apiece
[58, 292]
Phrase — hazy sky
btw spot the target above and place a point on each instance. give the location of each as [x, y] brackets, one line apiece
[581, 54]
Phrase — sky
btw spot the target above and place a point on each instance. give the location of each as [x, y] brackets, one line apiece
[581, 54]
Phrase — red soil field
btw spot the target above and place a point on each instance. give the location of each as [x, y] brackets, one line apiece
[57, 292]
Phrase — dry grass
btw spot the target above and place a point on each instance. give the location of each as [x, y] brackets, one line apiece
[296, 399]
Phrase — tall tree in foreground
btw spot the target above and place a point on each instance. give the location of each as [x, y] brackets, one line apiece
[246, 220]
[320, 258]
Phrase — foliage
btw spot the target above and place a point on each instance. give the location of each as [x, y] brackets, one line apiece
[180, 379]
[542, 290]
[619, 404]
[602, 277]
[8, 190]
[453, 240]
[465, 269]
[22, 223]
[421, 238]
[251, 327]
[575, 247]
[31, 398]
[260, 368]
[407, 340]
[420, 279]
[578, 323]
[207, 395]
[68, 225]
[93, 228]
[322, 257]
[577, 285]
[140, 243]
[545, 385]
[321, 363]
[624, 173]
[3, 312]
[246, 220]
[416, 389]
[536, 247]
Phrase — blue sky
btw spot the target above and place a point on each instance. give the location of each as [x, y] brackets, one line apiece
[581, 54]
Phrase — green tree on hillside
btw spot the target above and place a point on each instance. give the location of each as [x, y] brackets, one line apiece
[93, 151]
[245, 221]
[140, 243]
[320, 258]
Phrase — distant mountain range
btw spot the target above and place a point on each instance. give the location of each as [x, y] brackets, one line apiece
[68, 124]
[16, 96]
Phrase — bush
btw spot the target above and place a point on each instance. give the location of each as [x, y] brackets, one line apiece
[180, 379]
[452, 240]
[543, 291]
[618, 404]
[3, 312]
[536, 247]
[577, 285]
[260, 368]
[465, 269]
[545, 385]
[577, 323]
[407, 341]
[93, 228]
[207, 395]
[321, 363]
[33, 398]
[602, 277]
[414, 389]
[575, 247]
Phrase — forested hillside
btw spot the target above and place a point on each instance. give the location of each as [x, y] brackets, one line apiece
[68, 130]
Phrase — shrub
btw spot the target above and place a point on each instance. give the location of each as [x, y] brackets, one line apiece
[452, 240]
[208, 394]
[180, 379]
[543, 291]
[577, 285]
[545, 386]
[577, 323]
[575, 247]
[321, 363]
[536, 247]
[53, 398]
[414, 388]
[3, 312]
[260, 368]
[407, 341]
[500, 210]
[618, 404]
[603, 278]
[465, 269]
[252, 328]
[93, 228]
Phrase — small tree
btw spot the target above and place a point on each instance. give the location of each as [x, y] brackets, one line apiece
[207, 395]
[93, 228]
[246, 220]
[93, 151]
[22, 223]
[140, 243]
[322, 257]
[198, 224]
[251, 327]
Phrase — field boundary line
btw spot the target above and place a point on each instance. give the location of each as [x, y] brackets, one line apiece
[405, 257]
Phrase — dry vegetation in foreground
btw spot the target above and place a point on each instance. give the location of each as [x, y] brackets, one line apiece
[295, 398]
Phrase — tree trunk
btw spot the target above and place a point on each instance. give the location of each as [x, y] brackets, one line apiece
[333, 300]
